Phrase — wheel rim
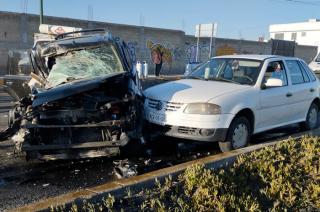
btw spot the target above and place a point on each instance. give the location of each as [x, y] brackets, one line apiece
[240, 136]
[313, 117]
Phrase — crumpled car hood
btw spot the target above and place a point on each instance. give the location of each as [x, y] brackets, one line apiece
[73, 88]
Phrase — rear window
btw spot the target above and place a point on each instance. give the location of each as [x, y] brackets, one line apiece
[308, 70]
[296, 73]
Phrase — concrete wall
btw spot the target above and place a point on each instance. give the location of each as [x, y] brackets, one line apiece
[307, 53]
[16, 34]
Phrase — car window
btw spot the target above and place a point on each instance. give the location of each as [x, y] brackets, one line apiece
[296, 74]
[308, 70]
[233, 70]
[276, 69]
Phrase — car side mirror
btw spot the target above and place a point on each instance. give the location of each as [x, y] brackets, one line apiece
[273, 82]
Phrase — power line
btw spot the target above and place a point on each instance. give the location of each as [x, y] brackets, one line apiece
[305, 2]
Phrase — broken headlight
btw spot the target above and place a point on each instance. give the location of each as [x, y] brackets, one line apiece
[202, 109]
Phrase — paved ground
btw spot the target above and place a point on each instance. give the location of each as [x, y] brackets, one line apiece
[6, 101]
[23, 182]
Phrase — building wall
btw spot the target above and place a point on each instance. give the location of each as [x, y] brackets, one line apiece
[17, 31]
[307, 53]
[307, 33]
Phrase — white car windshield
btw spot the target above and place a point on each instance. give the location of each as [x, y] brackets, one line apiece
[239, 71]
[84, 64]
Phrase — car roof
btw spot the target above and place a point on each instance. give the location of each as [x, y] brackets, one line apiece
[255, 57]
[59, 46]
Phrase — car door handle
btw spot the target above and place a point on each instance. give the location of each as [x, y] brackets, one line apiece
[289, 94]
[312, 90]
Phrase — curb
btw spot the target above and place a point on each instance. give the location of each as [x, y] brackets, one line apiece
[120, 187]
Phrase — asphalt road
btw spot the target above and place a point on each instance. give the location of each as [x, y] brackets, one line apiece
[23, 182]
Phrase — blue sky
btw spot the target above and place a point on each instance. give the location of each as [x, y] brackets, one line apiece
[247, 19]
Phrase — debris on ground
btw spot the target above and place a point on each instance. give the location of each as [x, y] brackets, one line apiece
[124, 168]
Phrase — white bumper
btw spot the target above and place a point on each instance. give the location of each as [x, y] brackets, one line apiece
[172, 114]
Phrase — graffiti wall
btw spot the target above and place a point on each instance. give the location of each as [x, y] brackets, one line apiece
[225, 50]
[191, 52]
[166, 51]
[159, 55]
[163, 56]
[132, 45]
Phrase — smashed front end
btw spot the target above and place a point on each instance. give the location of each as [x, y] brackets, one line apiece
[85, 100]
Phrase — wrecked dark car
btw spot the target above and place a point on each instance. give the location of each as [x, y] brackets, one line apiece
[85, 99]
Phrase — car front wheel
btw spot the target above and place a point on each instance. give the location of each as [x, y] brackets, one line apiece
[238, 136]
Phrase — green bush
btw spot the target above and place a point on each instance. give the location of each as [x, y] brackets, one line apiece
[282, 177]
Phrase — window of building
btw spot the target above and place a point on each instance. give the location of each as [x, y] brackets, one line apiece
[279, 36]
[294, 36]
[303, 34]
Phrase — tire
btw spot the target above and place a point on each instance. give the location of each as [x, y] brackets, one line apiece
[312, 118]
[238, 136]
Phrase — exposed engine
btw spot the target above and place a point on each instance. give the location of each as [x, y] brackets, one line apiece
[101, 119]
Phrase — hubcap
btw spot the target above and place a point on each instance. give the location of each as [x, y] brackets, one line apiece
[313, 117]
[240, 136]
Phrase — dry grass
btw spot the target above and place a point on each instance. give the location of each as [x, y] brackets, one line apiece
[278, 178]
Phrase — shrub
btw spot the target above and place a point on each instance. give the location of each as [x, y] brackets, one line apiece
[281, 177]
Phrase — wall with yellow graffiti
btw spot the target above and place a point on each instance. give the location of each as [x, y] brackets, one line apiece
[166, 51]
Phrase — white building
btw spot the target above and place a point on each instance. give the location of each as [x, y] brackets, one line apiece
[304, 33]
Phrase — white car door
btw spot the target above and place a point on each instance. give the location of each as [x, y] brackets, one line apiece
[302, 88]
[273, 110]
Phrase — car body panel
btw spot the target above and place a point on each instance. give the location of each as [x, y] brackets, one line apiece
[182, 91]
[71, 88]
[15, 85]
[81, 117]
[271, 107]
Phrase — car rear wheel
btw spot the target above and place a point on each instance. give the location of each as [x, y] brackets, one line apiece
[238, 136]
[312, 118]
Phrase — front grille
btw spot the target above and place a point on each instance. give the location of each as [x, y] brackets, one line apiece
[166, 106]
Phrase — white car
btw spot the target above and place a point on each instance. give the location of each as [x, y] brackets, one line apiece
[230, 98]
[315, 64]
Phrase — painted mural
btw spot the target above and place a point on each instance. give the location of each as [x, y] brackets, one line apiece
[132, 50]
[132, 45]
[225, 50]
[191, 52]
[160, 55]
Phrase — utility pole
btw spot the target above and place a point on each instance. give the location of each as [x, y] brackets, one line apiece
[41, 11]
[198, 41]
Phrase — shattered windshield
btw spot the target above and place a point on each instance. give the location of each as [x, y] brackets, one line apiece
[84, 64]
